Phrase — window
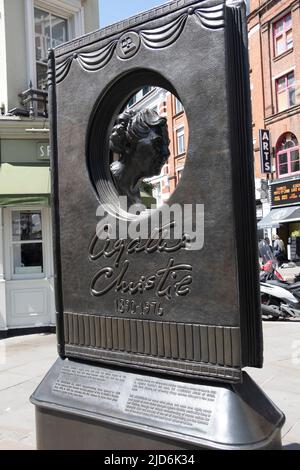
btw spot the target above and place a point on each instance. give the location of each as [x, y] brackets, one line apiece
[50, 31]
[132, 101]
[179, 174]
[27, 243]
[287, 155]
[178, 106]
[283, 34]
[146, 89]
[180, 141]
[285, 91]
[139, 95]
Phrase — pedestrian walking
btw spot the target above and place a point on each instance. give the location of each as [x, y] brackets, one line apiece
[279, 250]
[267, 240]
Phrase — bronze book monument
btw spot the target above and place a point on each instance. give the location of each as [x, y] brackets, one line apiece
[158, 310]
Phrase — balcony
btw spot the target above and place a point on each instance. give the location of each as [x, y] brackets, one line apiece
[34, 104]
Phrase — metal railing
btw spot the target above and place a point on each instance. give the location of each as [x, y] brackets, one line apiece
[34, 103]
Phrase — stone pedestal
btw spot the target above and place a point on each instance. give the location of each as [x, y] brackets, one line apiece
[80, 406]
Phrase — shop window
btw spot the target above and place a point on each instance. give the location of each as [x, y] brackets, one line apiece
[27, 243]
[285, 91]
[50, 31]
[283, 34]
[287, 155]
[180, 141]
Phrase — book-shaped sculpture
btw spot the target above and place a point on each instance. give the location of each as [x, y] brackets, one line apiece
[170, 290]
[215, 328]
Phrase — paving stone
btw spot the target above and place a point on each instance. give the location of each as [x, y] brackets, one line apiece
[15, 445]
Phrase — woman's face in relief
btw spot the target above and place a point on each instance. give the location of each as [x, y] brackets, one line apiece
[152, 152]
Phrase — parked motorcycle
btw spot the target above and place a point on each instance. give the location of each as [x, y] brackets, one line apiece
[279, 299]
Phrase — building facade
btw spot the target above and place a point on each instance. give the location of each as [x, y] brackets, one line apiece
[28, 28]
[274, 51]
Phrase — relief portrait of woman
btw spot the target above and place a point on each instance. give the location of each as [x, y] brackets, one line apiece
[139, 140]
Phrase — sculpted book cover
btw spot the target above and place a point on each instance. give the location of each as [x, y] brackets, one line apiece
[172, 288]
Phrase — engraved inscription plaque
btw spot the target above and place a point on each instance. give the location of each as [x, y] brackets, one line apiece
[187, 412]
[137, 398]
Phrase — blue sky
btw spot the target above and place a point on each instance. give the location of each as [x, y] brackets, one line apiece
[116, 10]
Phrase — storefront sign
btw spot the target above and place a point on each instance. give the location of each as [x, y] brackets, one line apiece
[285, 193]
[43, 150]
[265, 151]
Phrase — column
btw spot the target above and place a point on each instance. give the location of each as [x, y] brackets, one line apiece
[2, 277]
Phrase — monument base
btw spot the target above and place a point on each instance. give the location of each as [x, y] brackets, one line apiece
[82, 406]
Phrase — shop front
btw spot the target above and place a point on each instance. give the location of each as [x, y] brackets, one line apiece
[284, 217]
[26, 266]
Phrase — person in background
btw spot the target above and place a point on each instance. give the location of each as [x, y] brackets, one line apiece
[279, 250]
[267, 240]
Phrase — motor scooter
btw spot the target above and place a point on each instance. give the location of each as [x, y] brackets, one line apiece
[279, 299]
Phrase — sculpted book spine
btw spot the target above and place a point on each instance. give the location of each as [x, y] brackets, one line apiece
[243, 189]
[55, 205]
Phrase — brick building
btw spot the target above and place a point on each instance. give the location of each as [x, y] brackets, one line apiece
[274, 51]
[178, 133]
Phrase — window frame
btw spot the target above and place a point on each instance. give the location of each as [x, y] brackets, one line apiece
[46, 239]
[283, 34]
[50, 13]
[286, 88]
[69, 12]
[181, 109]
[180, 132]
[12, 243]
[179, 172]
[287, 151]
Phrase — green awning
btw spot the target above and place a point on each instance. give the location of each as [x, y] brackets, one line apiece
[20, 185]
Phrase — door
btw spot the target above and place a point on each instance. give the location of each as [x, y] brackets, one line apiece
[28, 267]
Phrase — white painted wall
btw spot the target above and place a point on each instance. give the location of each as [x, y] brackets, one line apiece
[28, 303]
[15, 47]
[91, 15]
